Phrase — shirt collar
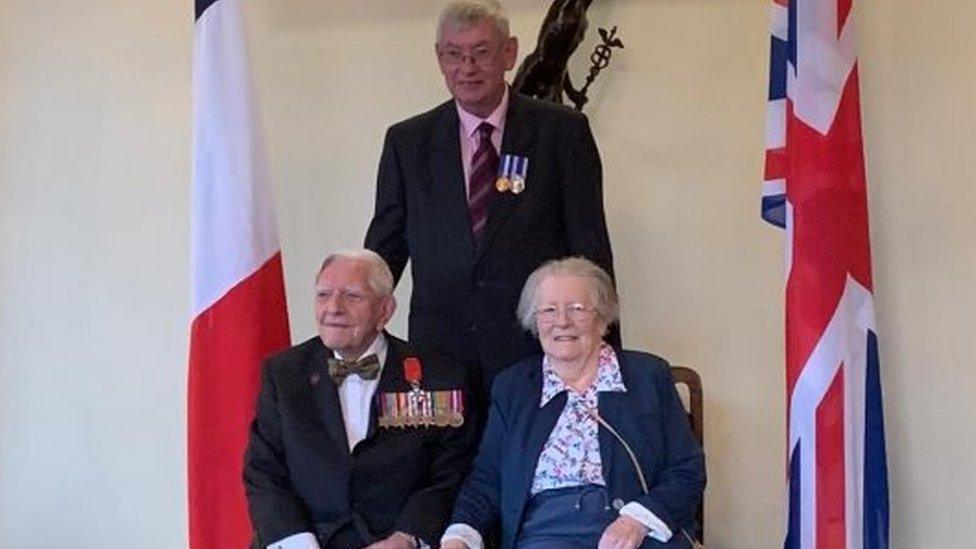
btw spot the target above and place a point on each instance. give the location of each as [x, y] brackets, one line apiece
[379, 348]
[470, 122]
[608, 378]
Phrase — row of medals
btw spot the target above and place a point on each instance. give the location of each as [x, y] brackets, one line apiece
[516, 184]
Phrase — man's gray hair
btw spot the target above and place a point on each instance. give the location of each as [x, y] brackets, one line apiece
[601, 285]
[379, 277]
[461, 14]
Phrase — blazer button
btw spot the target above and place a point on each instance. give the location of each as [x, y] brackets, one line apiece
[618, 504]
[472, 328]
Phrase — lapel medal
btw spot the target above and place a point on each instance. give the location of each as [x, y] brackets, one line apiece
[419, 408]
[413, 372]
[511, 173]
[417, 400]
[519, 171]
[503, 183]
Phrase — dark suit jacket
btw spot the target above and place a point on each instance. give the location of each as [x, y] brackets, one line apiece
[300, 476]
[464, 297]
[649, 416]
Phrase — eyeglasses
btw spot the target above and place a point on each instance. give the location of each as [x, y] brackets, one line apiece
[483, 56]
[577, 312]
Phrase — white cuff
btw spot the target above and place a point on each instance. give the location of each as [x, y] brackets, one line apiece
[466, 534]
[421, 544]
[656, 528]
[303, 540]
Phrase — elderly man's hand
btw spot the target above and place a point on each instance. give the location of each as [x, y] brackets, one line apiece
[397, 540]
[623, 533]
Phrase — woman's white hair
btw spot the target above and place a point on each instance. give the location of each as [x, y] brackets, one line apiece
[379, 277]
[604, 294]
[461, 14]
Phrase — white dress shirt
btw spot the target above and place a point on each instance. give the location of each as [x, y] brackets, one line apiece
[356, 395]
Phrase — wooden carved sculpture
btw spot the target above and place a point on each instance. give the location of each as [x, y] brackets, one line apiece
[543, 74]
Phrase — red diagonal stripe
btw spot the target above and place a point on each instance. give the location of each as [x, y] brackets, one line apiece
[826, 188]
[831, 524]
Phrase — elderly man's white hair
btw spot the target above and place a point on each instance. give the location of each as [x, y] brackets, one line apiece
[379, 277]
[464, 13]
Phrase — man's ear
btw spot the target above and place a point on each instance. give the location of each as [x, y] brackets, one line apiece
[389, 307]
[510, 52]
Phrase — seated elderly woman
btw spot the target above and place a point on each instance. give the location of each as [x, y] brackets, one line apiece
[585, 446]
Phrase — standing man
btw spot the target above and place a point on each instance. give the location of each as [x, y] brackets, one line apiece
[480, 191]
[358, 440]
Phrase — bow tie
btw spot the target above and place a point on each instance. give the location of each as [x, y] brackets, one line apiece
[366, 367]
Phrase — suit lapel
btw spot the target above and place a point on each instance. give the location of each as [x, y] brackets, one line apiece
[326, 397]
[447, 175]
[516, 141]
[542, 423]
[391, 379]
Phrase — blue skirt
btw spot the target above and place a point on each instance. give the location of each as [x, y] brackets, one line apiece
[574, 518]
[566, 518]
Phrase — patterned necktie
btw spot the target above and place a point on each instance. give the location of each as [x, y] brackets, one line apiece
[366, 367]
[484, 168]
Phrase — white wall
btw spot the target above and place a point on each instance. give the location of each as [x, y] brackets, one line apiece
[94, 171]
[94, 188]
[920, 125]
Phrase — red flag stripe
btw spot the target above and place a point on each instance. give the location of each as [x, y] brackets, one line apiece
[831, 524]
[227, 343]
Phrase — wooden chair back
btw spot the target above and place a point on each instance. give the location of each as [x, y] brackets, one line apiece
[692, 381]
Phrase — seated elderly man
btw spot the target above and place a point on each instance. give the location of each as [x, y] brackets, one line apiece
[587, 445]
[358, 439]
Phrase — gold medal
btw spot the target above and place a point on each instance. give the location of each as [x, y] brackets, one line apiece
[502, 184]
[518, 185]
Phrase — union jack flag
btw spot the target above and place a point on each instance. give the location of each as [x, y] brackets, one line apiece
[815, 189]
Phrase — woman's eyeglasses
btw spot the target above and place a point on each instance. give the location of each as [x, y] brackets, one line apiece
[576, 312]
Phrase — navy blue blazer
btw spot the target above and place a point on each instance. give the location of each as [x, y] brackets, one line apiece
[649, 416]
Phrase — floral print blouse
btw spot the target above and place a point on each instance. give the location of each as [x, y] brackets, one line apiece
[571, 455]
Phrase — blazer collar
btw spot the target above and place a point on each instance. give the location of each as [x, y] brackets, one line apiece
[620, 410]
[517, 138]
[447, 174]
[541, 423]
[326, 396]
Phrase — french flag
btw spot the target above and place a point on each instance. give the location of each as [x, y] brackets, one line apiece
[239, 310]
[815, 188]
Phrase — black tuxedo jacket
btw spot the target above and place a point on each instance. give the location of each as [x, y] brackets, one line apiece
[299, 474]
[464, 296]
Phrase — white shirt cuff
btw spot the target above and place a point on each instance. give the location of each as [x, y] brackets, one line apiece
[656, 528]
[464, 533]
[421, 544]
[303, 540]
